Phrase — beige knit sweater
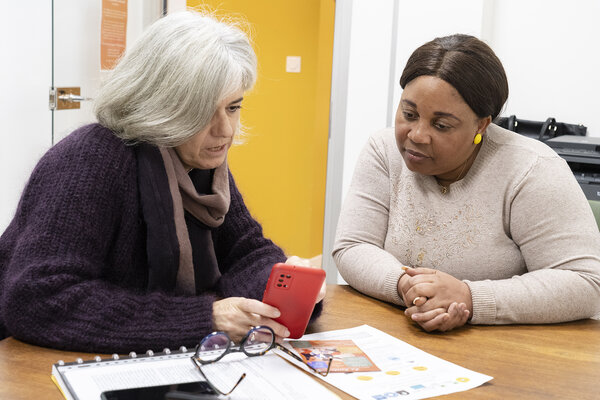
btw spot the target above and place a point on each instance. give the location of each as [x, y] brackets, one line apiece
[517, 229]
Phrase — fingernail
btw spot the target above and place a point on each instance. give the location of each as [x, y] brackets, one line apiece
[277, 314]
[404, 267]
[286, 333]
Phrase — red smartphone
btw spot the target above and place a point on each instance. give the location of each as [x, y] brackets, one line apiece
[293, 290]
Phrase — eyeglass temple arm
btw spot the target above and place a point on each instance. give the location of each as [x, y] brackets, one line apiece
[297, 357]
[213, 387]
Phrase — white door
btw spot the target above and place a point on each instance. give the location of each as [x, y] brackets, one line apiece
[49, 44]
[77, 37]
[76, 61]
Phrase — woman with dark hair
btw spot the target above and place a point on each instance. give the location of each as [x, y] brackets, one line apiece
[460, 220]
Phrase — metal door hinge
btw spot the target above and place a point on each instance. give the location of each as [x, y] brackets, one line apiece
[52, 99]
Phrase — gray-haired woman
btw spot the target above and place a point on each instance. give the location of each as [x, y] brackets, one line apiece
[131, 233]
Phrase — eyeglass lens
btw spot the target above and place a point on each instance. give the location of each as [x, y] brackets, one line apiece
[213, 347]
[258, 341]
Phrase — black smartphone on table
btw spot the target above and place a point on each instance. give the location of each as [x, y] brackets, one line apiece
[182, 391]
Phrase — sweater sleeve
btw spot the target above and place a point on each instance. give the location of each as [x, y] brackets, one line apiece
[245, 256]
[552, 223]
[362, 228]
[65, 285]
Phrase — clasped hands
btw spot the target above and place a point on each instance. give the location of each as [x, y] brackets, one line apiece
[434, 299]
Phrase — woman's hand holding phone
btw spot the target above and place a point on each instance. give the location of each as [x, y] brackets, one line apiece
[236, 315]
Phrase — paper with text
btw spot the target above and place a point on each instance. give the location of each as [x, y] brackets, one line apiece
[267, 377]
[405, 371]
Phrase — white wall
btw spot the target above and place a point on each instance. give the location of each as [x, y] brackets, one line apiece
[551, 52]
[176, 5]
[368, 75]
[26, 75]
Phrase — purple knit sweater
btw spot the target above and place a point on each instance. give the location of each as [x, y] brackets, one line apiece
[73, 260]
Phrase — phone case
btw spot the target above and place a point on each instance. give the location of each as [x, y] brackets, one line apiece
[293, 290]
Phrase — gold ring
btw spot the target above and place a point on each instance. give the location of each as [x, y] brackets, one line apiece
[415, 300]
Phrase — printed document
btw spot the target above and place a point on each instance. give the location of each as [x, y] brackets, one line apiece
[267, 377]
[402, 371]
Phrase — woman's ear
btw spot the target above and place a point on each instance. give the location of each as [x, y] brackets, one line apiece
[483, 123]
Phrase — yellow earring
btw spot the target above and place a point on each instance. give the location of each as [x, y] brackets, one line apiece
[477, 139]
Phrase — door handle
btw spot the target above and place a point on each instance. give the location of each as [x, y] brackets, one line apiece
[73, 98]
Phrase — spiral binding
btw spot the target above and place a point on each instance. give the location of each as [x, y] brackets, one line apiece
[132, 356]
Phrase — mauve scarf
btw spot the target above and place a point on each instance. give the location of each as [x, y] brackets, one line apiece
[179, 219]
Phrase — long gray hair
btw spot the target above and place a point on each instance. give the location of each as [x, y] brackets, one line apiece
[167, 86]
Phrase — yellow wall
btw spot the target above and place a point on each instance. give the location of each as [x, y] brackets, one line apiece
[281, 168]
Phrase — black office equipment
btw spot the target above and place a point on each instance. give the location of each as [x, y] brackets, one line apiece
[541, 130]
[582, 153]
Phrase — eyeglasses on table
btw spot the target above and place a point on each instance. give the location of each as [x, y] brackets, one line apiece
[258, 341]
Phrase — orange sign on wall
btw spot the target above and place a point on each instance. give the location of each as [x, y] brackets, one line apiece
[113, 32]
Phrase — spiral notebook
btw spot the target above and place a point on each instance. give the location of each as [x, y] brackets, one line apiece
[267, 376]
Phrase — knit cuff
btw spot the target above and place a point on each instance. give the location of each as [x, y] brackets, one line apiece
[484, 302]
[390, 286]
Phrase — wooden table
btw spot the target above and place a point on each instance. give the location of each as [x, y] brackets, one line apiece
[560, 361]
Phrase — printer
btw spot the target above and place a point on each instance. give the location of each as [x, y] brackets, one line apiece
[582, 153]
